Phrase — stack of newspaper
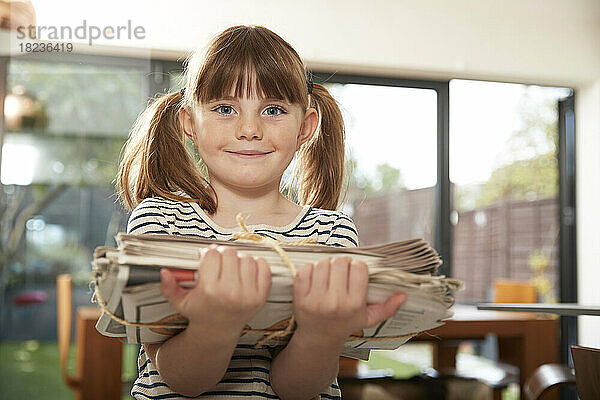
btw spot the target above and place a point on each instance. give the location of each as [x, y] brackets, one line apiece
[128, 281]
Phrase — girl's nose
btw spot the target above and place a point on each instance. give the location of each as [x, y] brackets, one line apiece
[249, 129]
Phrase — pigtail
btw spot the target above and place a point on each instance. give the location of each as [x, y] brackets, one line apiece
[320, 161]
[156, 162]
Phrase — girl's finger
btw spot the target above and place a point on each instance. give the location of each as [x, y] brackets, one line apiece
[379, 312]
[210, 265]
[302, 281]
[248, 273]
[358, 280]
[263, 276]
[338, 277]
[230, 266]
[169, 288]
[320, 278]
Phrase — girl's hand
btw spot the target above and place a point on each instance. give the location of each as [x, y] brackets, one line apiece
[330, 300]
[230, 289]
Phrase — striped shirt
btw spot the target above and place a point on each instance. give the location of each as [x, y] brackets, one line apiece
[247, 375]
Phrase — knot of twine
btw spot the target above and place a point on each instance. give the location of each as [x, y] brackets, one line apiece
[270, 334]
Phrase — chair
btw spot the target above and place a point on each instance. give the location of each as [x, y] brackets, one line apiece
[586, 375]
[510, 291]
[547, 376]
[587, 371]
[98, 358]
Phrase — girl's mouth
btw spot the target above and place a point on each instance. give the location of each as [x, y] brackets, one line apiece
[249, 154]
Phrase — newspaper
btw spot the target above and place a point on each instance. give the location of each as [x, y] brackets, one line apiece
[128, 281]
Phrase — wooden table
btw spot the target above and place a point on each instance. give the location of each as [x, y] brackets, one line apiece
[524, 339]
[564, 309]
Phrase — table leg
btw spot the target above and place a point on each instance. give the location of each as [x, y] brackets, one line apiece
[444, 355]
[99, 359]
[510, 350]
[540, 346]
[537, 346]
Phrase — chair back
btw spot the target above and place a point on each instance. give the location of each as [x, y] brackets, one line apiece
[508, 291]
[64, 320]
[98, 359]
[587, 371]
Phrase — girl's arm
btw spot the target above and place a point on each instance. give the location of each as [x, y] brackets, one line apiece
[195, 360]
[306, 366]
[230, 290]
[330, 302]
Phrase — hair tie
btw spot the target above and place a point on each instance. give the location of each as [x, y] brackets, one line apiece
[309, 83]
[182, 91]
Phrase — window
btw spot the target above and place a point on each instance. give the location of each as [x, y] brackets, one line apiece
[392, 128]
[491, 155]
[391, 156]
[66, 123]
[504, 168]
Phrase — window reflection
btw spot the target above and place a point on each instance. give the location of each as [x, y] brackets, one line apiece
[391, 139]
[66, 124]
[74, 98]
[504, 166]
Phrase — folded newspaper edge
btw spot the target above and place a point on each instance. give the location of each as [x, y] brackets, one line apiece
[406, 266]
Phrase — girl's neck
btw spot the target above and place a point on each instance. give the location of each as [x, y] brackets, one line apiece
[259, 207]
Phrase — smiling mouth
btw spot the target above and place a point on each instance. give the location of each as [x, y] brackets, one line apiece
[249, 154]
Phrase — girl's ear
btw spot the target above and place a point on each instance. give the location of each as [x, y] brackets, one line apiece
[308, 127]
[186, 121]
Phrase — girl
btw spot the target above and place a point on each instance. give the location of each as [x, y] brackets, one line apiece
[248, 108]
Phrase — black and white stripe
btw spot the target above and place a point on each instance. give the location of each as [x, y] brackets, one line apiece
[248, 373]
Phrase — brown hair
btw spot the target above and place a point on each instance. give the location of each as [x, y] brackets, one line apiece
[155, 160]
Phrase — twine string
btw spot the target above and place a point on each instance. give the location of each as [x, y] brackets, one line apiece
[269, 333]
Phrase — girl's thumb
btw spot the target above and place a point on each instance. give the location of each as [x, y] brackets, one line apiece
[379, 312]
[171, 289]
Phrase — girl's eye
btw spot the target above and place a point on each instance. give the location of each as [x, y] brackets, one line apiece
[273, 111]
[224, 110]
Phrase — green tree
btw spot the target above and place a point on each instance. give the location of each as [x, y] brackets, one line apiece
[529, 165]
[520, 180]
[386, 178]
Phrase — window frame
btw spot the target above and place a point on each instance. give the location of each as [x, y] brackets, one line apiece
[442, 202]
[443, 242]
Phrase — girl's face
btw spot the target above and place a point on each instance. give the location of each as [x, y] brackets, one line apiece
[247, 143]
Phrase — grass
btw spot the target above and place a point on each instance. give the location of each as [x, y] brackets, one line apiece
[379, 360]
[31, 370]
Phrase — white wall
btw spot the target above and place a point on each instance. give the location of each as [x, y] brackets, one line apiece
[553, 42]
[587, 115]
[540, 41]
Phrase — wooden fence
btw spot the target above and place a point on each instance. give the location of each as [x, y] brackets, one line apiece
[488, 243]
